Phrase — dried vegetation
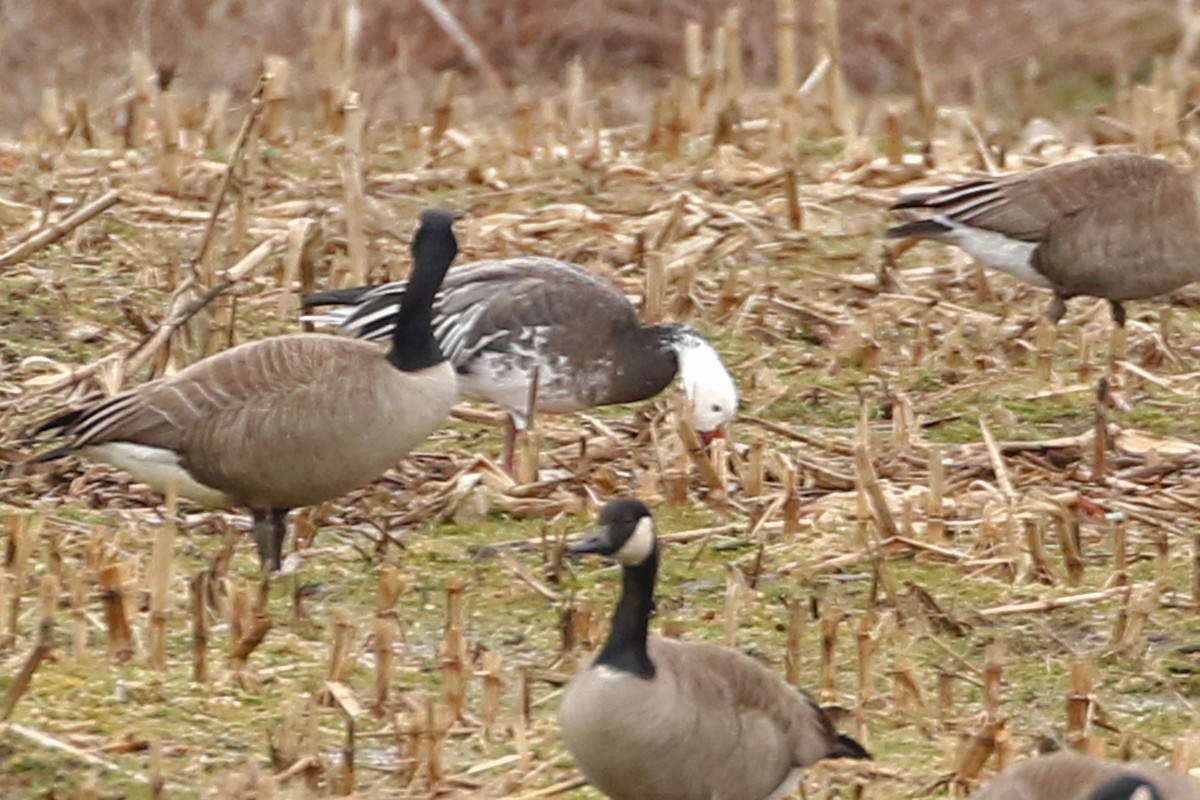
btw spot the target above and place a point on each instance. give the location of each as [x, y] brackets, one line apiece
[966, 533]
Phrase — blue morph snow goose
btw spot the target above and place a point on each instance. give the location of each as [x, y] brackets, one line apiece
[287, 421]
[499, 320]
[1120, 227]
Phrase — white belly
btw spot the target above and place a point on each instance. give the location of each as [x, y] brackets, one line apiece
[157, 468]
[995, 250]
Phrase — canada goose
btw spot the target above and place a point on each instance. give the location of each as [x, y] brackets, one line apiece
[286, 421]
[658, 719]
[1072, 776]
[1120, 227]
[500, 320]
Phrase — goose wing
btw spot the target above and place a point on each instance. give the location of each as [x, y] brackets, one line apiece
[1026, 206]
[492, 305]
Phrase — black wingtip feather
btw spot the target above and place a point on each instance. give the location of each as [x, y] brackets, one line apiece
[335, 297]
[921, 228]
[848, 748]
[60, 421]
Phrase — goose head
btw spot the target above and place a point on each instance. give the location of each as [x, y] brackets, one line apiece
[707, 383]
[624, 531]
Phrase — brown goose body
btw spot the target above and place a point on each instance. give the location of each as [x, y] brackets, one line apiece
[283, 422]
[657, 719]
[726, 727]
[1120, 227]
[1072, 776]
[278, 423]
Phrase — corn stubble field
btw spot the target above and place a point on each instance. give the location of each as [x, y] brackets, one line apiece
[966, 535]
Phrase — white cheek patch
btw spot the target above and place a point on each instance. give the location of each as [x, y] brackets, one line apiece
[639, 546]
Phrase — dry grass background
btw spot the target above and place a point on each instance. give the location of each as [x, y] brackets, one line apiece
[924, 514]
[83, 48]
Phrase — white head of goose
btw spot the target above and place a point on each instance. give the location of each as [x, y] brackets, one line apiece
[499, 320]
[1071, 776]
[287, 421]
[1120, 227]
[658, 719]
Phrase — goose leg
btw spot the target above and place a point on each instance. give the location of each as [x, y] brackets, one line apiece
[1057, 309]
[270, 528]
[1118, 312]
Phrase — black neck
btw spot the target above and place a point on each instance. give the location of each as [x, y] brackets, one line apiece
[625, 649]
[650, 372]
[413, 344]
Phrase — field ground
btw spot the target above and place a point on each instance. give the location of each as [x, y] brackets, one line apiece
[926, 512]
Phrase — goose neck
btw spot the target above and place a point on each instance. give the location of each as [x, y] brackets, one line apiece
[625, 649]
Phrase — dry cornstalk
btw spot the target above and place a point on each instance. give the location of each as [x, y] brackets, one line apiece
[693, 59]
[493, 691]
[161, 562]
[78, 588]
[791, 191]
[114, 582]
[656, 286]
[1066, 530]
[1051, 603]
[352, 185]
[385, 629]
[527, 448]
[198, 594]
[1044, 338]
[276, 91]
[946, 703]
[829, 49]
[1039, 567]
[831, 617]
[341, 662]
[795, 633]
[52, 233]
[935, 521]
[1080, 702]
[975, 751]
[993, 673]
[453, 649]
[866, 660]
[754, 474]
[171, 155]
[43, 646]
[735, 590]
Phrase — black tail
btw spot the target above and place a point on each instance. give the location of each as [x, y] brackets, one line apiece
[923, 228]
[336, 297]
[61, 421]
[848, 748]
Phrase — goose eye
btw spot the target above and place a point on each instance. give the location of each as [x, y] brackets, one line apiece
[715, 407]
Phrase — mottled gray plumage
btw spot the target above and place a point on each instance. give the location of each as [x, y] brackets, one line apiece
[499, 320]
